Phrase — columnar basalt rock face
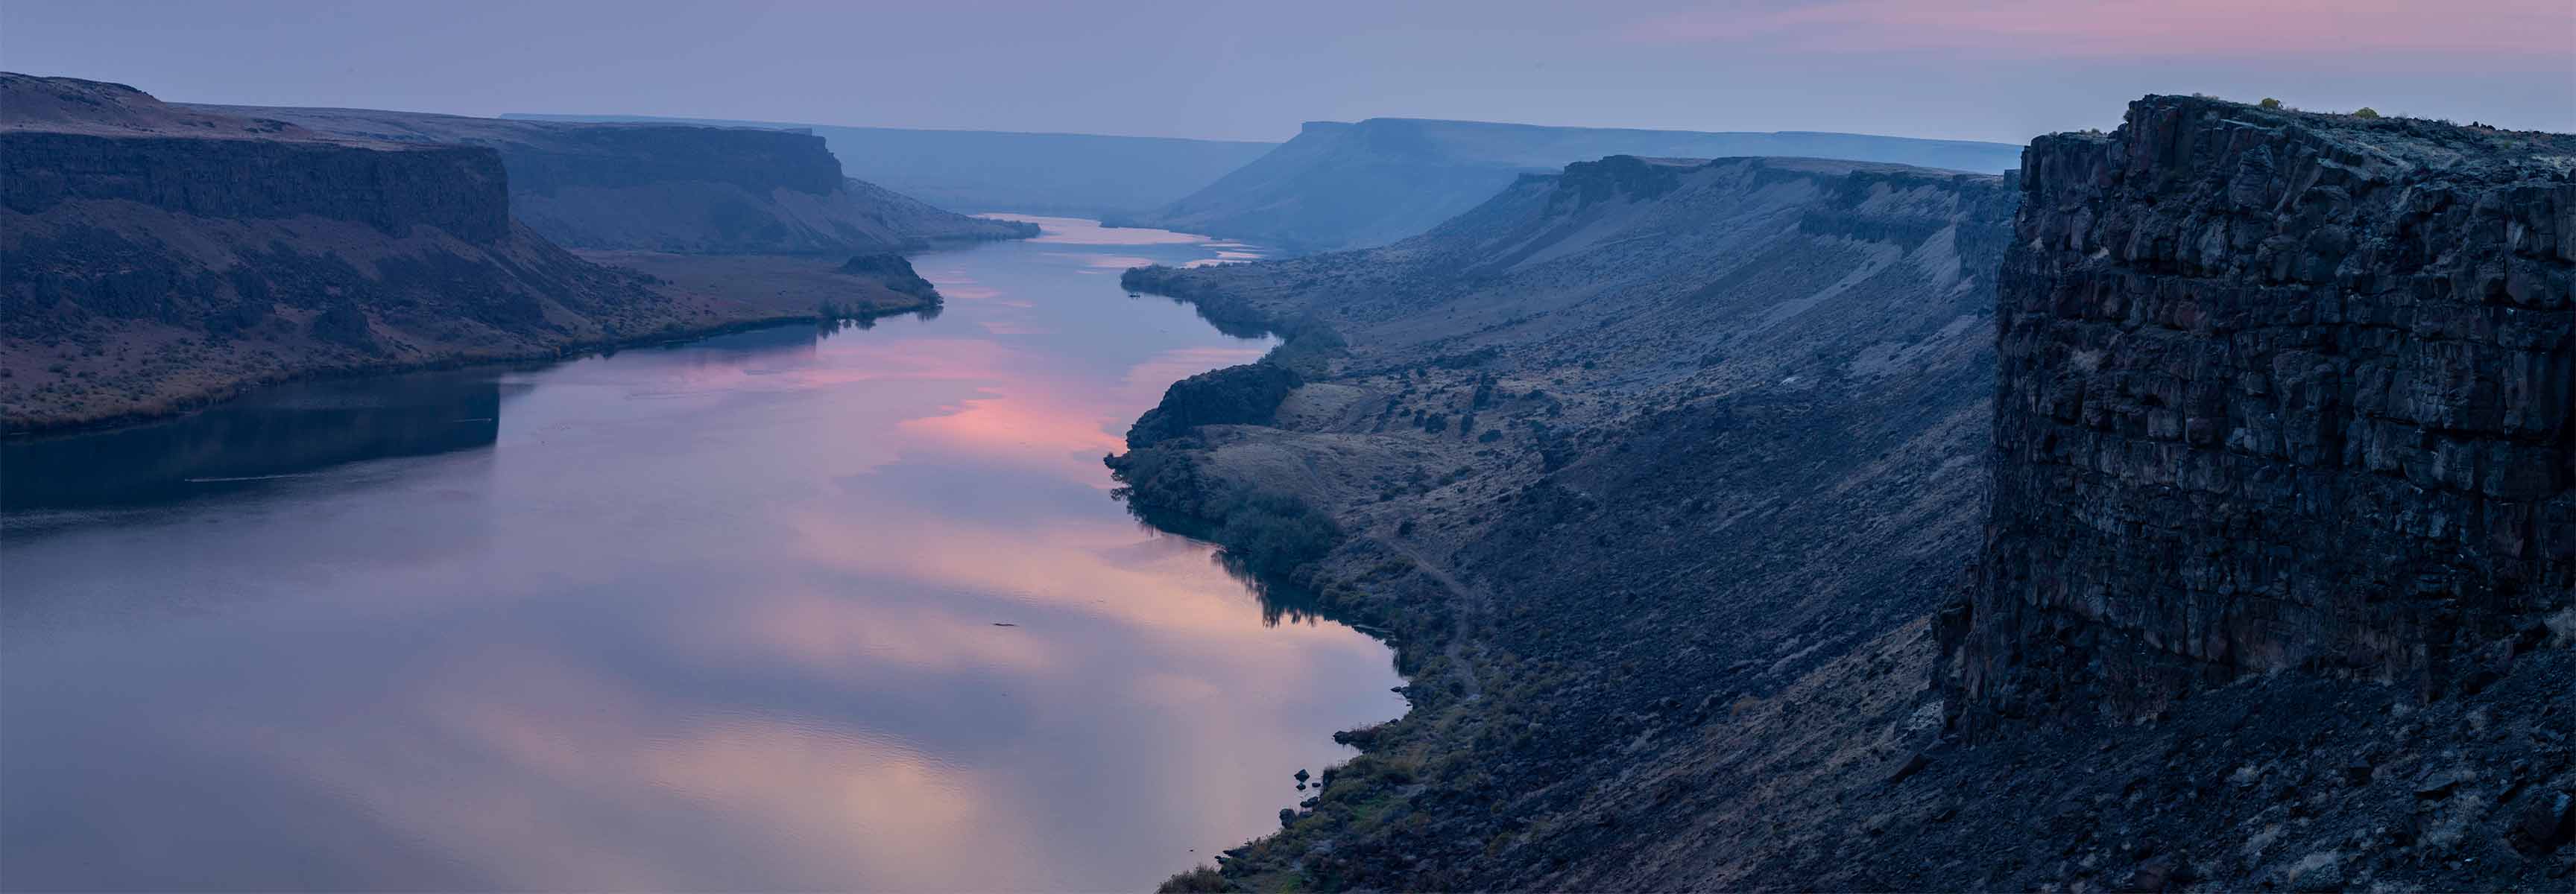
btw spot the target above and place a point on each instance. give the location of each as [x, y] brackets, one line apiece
[458, 189]
[2276, 391]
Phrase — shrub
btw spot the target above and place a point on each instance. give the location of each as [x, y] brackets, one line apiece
[2365, 112]
[1274, 533]
[1200, 880]
[2269, 103]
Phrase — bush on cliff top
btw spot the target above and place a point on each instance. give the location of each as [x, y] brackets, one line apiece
[1200, 879]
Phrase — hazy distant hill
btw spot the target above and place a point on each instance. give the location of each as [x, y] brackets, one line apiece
[1343, 185]
[1043, 173]
[670, 187]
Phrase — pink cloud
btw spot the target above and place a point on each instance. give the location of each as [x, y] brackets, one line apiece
[2134, 27]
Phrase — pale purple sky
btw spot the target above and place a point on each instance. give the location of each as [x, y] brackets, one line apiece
[1937, 68]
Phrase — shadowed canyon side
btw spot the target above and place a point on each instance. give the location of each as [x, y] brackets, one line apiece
[161, 256]
[1613, 457]
[2279, 391]
[672, 187]
[1341, 185]
[1664, 478]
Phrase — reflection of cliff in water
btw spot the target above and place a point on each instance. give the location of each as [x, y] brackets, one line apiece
[300, 427]
[269, 433]
[1281, 599]
[831, 325]
[791, 344]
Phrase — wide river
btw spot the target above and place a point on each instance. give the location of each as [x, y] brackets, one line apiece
[785, 609]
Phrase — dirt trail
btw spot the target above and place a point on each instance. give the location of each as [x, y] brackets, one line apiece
[1472, 603]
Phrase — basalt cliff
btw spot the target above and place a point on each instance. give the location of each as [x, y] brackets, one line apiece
[2277, 392]
[158, 257]
[671, 187]
[2187, 511]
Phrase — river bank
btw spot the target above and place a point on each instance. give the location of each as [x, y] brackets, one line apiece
[1619, 459]
[1670, 481]
[789, 609]
[84, 382]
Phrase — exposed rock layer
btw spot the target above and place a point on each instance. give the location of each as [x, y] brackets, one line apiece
[670, 187]
[450, 188]
[2278, 390]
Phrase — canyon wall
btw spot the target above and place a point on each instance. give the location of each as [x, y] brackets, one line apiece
[120, 209]
[2277, 390]
[1614, 458]
[451, 188]
[669, 187]
[159, 257]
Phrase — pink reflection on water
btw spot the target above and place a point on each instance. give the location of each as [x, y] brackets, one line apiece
[1094, 567]
[727, 616]
[564, 787]
[1027, 428]
[1105, 262]
[1073, 231]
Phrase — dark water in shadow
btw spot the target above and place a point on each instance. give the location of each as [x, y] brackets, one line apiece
[726, 615]
[278, 432]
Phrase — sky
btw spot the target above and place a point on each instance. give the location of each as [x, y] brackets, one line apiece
[2004, 70]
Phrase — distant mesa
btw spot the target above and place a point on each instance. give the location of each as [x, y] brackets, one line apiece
[1077, 175]
[1341, 185]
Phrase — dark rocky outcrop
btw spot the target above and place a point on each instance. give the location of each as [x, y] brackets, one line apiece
[449, 188]
[2278, 391]
[669, 187]
[893, 271]
[1236, 395]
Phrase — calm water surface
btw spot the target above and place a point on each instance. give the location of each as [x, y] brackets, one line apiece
[727, 615]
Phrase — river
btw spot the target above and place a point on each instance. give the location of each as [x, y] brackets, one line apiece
[783, 609]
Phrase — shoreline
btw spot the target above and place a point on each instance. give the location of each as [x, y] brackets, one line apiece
[567, 351]
[1423, 629]
[696, 296]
